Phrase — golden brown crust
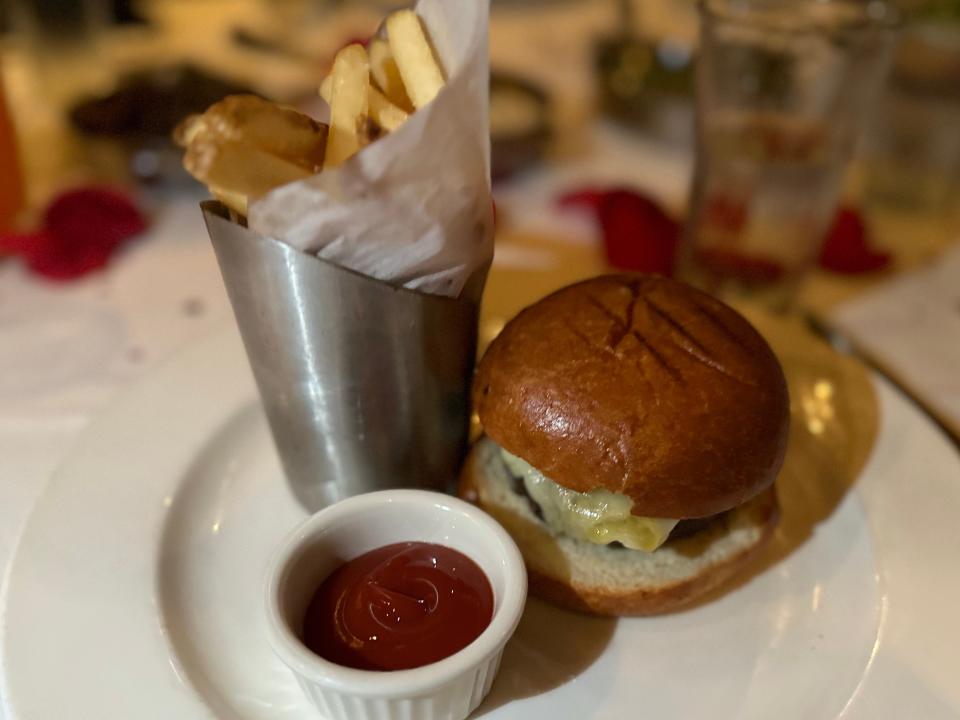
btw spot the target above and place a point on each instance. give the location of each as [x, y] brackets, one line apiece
[641, 385]
[598, 600]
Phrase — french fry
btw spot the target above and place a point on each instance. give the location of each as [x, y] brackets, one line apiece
[382, 112]
[240, 168]
[349, 103]
[236, 172]
[243, 146]
[326, 88]
[233, 200]
[386, 75]
[422, 76]
[188, 129]
[253, 121]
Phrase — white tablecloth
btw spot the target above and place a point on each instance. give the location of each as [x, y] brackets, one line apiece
[66, 350]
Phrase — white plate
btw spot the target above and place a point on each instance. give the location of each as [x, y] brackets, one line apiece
[136, 589]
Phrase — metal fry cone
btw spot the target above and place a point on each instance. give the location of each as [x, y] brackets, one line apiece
[365, 385]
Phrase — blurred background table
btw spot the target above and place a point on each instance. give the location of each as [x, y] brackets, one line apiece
[67, 348]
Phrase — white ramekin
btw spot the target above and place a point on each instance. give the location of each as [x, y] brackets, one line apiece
[446, 690]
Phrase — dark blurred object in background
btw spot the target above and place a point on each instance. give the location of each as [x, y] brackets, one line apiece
[143, 110]
[121, 12]
[57, 22]
[150, 103]
[645, 84]
[913, 150]
[930, 10]
[519, 124]
[125, 13]
[61, 39]
[11, 179]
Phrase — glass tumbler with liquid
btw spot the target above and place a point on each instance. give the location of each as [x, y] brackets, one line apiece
[782, 90]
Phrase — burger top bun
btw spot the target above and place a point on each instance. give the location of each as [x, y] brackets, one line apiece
[641, 385]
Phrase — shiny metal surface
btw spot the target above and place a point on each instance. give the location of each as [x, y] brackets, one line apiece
[365, 385]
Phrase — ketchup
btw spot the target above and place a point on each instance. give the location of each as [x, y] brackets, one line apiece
[399, 607]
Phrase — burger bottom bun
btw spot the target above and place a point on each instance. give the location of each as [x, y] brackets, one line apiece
[603, 580]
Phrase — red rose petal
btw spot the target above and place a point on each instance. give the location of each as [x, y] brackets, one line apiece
[22, 243]
[846, 249]
[586, 198]
[94, 215]
[69, 261]
[82, 228]
[637, 234]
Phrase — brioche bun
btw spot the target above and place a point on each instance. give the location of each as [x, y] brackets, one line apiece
[605, 580]
[643, 386]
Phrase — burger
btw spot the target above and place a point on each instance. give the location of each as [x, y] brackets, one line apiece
[633, 430]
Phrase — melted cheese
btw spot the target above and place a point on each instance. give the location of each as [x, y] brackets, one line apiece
[599, 516]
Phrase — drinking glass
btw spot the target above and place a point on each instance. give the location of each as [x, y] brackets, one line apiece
[913, 143]
[782, 89]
